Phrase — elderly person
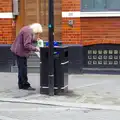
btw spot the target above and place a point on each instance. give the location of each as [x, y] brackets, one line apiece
[22, 47]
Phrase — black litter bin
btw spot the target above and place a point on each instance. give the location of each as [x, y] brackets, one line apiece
[60, 70]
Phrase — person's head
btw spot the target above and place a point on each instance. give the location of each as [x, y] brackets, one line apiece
[37, 29]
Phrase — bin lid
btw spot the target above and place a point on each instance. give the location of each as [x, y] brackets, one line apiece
[55, 43]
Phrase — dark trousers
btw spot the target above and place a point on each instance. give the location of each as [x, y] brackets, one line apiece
[22, 72]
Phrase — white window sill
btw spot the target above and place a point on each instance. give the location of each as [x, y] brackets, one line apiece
[6, 15]
[91, 14]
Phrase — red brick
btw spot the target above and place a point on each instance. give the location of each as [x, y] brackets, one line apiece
[5, 5]
[70, 5]
[100, 30]
[71, 35]
[6, 31]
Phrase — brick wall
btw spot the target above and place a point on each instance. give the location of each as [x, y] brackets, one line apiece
[88, 30]
[100, 30]
[5, 5]
[70, 5]
[6, 24]
[71, 35]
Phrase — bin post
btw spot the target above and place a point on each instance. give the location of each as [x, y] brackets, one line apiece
[51, 48]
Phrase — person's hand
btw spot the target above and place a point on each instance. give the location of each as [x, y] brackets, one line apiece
[37, 49]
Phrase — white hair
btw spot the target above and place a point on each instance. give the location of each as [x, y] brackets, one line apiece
[36, 27]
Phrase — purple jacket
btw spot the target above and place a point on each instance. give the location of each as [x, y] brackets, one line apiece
[22, 45]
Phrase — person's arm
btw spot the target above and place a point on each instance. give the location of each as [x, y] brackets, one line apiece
[27, 39]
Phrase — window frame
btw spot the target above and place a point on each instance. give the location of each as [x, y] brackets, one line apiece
[102, 13]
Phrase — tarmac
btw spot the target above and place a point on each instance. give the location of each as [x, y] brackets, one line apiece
[94, 91]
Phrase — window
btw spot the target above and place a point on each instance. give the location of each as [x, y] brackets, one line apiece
[100, 5]
[113, 5]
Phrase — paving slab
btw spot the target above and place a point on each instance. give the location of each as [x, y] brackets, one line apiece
[38, 112]
[85, 88]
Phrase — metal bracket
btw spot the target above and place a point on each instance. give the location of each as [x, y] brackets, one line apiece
[70, 23]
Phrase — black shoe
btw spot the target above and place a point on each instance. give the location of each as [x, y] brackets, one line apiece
[31, 88]
[27, 88]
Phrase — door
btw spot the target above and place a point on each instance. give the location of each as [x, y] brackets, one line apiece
[32, 11]
[20, 17]
[57, 19]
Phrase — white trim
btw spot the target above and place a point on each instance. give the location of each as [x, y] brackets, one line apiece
[6, 15]
[71, 14]
[77, 14]
[45, 87]
[61, 63]
[65, 63]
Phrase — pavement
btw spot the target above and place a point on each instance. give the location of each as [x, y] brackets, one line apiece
[83, 89]
[17, 111]
[90, 97]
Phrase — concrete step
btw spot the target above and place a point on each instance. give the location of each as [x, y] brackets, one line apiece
[33, 60]
[33, 63]
[33, 57]
[31, 69]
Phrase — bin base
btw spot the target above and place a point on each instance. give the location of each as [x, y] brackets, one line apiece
[45, 90]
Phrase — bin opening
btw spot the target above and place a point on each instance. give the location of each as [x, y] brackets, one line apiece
[46, 54]
[66, 54]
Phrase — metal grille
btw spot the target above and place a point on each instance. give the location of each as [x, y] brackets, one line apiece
[102, 56]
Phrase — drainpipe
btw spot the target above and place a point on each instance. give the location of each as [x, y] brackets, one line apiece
[15, 11]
